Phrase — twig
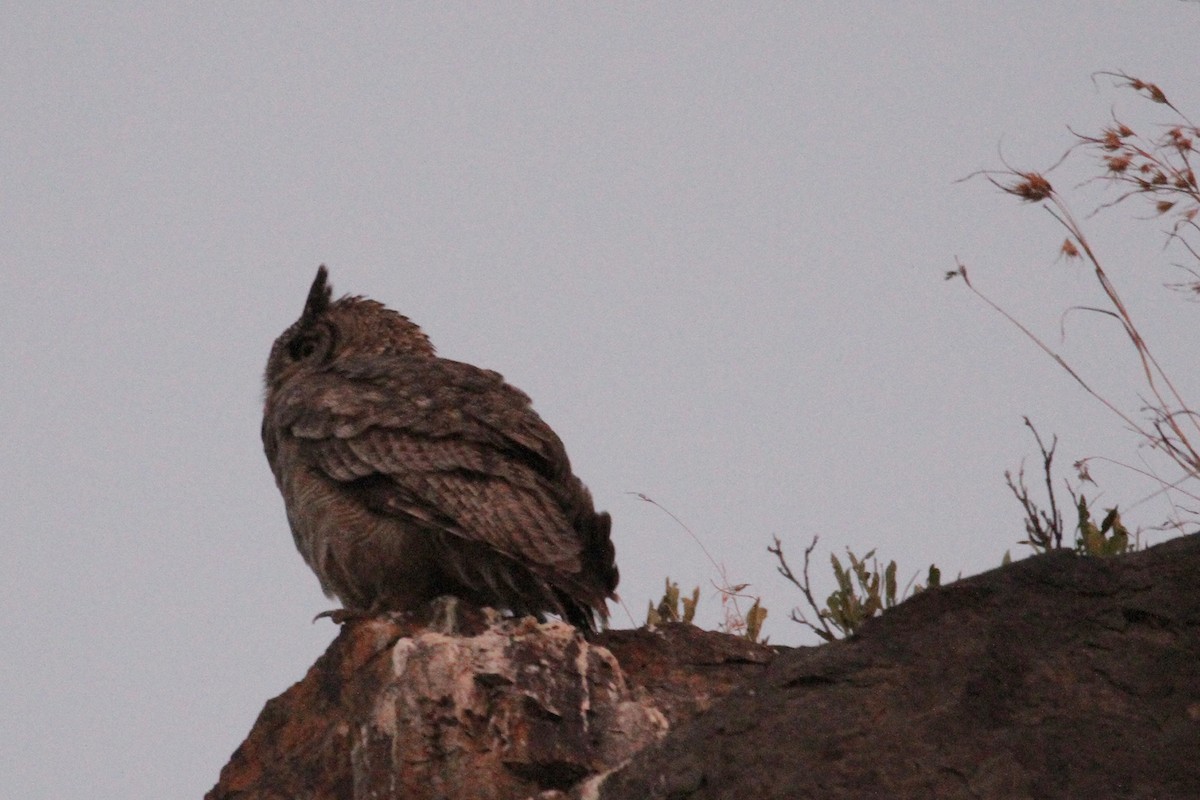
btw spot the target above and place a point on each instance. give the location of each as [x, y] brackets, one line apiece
[805, 588]
[735, 621]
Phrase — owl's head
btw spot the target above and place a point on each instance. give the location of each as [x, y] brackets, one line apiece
[329, 329]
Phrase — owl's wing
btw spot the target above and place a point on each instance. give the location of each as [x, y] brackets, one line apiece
[446, 444]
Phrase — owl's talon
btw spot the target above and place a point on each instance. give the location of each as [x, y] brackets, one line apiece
[340, 616]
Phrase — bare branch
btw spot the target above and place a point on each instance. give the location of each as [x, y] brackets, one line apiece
[805, 588]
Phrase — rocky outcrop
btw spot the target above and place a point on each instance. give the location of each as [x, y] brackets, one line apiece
[409, 707]
[1055, 677]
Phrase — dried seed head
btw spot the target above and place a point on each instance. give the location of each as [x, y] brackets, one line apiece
[1031, 188]
[1117, 164]
[1152, 91]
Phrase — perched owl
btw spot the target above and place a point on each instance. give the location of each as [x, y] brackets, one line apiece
[407, 476]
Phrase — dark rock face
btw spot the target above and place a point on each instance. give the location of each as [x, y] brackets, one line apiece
[682, 669]
[1056, 677]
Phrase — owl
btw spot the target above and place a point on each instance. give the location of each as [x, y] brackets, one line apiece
[407, 476]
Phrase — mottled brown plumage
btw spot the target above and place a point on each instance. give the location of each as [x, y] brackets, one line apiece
[407, 476]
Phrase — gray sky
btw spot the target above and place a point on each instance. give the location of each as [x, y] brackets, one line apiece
[708, 244]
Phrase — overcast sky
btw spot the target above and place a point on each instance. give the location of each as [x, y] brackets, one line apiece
[708, 240]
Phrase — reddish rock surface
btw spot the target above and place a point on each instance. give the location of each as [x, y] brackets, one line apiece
[499, 709]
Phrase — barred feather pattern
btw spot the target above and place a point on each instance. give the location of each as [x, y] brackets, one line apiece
[407, 476]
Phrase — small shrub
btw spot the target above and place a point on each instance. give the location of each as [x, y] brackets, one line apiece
[863, 591]
[1108, 539]
[669, 608]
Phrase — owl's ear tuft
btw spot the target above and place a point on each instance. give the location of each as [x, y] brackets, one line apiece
[319, 295]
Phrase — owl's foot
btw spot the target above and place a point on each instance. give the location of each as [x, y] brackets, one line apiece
[445, 614]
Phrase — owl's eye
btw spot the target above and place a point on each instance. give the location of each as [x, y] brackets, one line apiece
[310, 345]
[303, 348]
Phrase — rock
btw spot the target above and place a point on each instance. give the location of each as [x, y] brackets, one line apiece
[1056, 677]
[684, 669]
[479, 708]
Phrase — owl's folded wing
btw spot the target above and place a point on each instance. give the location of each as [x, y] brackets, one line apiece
[447, 445]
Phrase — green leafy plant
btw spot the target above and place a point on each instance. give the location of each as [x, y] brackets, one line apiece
[863, 591]
[1109, 538]
[754, 620]
[672, 607]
